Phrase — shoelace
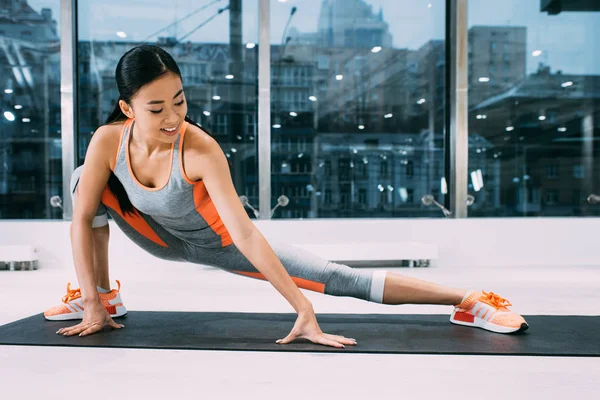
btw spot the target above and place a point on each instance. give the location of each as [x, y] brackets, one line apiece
[73, 294]
[494, 300]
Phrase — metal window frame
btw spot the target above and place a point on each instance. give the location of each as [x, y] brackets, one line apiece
[457, 105]
[68, 98]
[456, 140]
[264, 110]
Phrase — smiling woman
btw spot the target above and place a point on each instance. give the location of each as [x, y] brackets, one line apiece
[157, 115]
[170, 191]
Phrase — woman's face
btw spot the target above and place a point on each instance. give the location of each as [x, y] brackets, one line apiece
[159, 108]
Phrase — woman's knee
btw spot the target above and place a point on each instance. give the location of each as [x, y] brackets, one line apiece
[351, 282]
[101, 218]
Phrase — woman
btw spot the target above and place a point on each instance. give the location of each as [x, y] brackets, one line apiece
[167, 185]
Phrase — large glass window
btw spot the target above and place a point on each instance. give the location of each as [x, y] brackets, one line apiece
[357, 99]
[30, 138]
[215, 46]
[357, 106]
[534, 91]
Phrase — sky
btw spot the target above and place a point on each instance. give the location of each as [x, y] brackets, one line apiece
[569, 41]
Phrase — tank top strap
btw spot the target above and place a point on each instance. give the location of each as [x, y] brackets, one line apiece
[177, 164]
[123, 140]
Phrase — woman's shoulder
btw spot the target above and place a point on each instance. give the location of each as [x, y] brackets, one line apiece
[198, 149]
[197, 140]
[111, 130]
[106, 139]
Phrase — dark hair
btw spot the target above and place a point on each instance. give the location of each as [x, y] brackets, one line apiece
[138, 67]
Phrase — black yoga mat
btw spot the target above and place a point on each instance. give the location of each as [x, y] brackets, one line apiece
[375, 333]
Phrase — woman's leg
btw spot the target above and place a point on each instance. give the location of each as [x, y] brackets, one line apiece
[140, 229]
[400, 289]
[315, 273]
[309, 271]
[73, 308]
[478, 309]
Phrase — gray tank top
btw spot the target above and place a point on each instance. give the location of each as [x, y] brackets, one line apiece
[181, 206]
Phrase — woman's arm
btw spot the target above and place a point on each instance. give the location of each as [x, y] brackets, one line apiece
[205, 160]
[92, 182]
[208, 159]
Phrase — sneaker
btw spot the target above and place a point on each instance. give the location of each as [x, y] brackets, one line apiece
[488, 311]
[73, 306]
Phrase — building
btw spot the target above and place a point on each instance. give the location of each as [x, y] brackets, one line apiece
[497, 56]
[30, 140]
[540, 140]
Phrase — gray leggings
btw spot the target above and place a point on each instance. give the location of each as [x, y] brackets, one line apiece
[308, 270]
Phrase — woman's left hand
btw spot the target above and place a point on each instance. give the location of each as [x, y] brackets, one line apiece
[306, 327]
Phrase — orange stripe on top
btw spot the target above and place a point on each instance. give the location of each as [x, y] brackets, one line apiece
[202, 200]
[206, 208]
[136, 221]
[300, 282]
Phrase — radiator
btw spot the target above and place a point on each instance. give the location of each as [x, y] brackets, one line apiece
[18, 258]
[398, 254]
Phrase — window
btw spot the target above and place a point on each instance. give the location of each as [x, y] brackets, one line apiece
[410, 170]
[552, 171]
[362, 197]
[360, 169]
[327, 168]
[327, 196]
[204, 56]
[383, 198]
[537, 134]
[384, 168]
[578, 198]
[251, 127]
[31, 145]
[410, 198]
[193, 73]
[222, 125]
[551, 196]
[55, 150]
[340, 91]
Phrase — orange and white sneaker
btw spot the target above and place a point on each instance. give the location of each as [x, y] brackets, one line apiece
[73, 306]
[488, 311]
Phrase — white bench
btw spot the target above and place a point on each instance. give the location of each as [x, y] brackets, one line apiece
[401, 254]
[16, 258]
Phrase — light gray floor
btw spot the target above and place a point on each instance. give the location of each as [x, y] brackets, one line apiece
[58, 373]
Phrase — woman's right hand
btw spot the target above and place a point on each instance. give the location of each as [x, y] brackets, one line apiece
[95, 318]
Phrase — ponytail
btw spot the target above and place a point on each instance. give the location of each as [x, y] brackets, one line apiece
[114, 184]
[116, 114]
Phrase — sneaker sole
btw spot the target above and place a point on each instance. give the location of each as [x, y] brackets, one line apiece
[488, 326]
[121, 310]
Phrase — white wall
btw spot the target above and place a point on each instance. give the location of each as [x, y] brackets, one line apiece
[464, 242]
